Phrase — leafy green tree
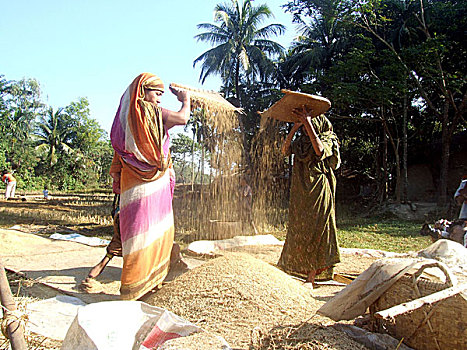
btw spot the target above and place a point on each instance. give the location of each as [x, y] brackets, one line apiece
[4, 117]
[74, 146]
[53, 135]
[87, 132]
[23, 106]
[102, 161]
[400, 66]
[4, 108]
[91, 141]
[43, 145]
[435, 60]
[322, 38]
[182, 146]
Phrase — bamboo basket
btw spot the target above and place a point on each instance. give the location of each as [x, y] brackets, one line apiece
[439, 326]
[209, 99]
[283, 109]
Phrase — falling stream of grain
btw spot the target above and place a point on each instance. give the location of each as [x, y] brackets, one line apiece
[207, 210]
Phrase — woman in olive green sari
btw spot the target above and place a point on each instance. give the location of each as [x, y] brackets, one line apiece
[311, 248]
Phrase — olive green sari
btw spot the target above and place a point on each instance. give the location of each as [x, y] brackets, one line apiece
[311, 242]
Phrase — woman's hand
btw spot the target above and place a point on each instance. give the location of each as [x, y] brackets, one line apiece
[116, 182]
[302, 113]
[182, 95]
[183, 115]
[285, 148]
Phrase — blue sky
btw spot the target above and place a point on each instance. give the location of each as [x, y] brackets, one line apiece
[94, 48]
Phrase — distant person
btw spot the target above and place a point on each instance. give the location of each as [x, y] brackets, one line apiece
[46, 192]
[461, 198]
[143, 176]
[10, 182]
[246, 205]
[311, 248]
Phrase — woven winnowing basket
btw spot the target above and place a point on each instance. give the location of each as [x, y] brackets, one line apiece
[207, 98]
[442, 325]
[283, 109]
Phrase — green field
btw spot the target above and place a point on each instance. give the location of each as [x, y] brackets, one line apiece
[385, 234]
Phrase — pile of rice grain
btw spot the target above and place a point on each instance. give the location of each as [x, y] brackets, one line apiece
[235, 293]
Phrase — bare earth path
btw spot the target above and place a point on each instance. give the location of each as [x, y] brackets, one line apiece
[59, 264]
[62, 265]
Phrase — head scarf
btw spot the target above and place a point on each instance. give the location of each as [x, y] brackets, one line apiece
[152, 83]
[137, 133]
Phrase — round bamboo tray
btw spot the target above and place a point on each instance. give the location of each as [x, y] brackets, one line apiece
[283, 109]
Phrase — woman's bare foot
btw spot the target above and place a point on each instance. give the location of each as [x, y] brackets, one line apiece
[176, 259]
[90, 285]
[311, 278]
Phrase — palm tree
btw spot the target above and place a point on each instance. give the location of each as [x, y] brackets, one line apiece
[53, 134]
[240, 46]
[320, 41]
[241, 50]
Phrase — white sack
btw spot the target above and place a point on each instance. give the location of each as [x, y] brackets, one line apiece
[124, 325]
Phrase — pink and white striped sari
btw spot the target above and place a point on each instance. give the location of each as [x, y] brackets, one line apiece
[141, 144]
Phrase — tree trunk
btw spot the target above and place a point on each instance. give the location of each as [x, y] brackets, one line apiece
[405, 176]
[202, 160]
[438, 76]
[195, 131]
[395, 147]
[383, 168]
[446, 136]
[246, 153]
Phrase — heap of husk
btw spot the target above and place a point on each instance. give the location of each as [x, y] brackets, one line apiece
[303, 336]
[235, 294]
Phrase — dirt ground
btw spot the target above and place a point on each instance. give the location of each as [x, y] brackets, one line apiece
[57, 267]
[62, 265]
[41, 268]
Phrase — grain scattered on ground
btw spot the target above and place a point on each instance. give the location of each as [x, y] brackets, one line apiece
[304, 336]
[196, 341]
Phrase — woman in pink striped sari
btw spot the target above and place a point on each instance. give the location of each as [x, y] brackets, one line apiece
[143, 175]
